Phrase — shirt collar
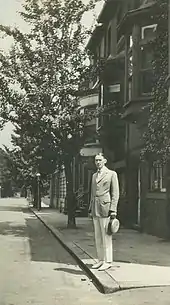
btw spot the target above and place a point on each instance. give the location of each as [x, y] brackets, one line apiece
[102, 170]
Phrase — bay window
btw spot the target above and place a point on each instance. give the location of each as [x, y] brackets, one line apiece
[146, 58]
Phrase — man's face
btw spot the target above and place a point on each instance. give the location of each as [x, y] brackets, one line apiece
[100, 161]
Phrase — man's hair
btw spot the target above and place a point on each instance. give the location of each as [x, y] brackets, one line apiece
[100, 155]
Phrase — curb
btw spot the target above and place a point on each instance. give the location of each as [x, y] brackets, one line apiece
[71, 247]
[106, 284]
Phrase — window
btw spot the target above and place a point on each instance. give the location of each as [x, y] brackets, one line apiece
[94, 63]
[90, 128]
[148, 32]
[146, 57]
[157, 178]
[146, 74]
[113, 94]
[90, 134]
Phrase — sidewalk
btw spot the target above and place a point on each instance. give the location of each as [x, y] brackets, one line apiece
[140, 260]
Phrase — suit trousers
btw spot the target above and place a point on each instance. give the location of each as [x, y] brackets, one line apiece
[103, 241]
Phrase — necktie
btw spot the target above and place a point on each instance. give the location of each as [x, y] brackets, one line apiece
[98, 175]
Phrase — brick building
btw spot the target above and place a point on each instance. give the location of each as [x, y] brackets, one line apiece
[121, 41]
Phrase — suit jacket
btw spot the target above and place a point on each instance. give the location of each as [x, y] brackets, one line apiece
[104, 193]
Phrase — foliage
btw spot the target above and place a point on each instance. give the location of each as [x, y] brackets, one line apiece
[6, 181]
[41, 75]
[156, 137]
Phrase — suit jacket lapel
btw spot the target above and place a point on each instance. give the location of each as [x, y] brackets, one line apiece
[104, 173]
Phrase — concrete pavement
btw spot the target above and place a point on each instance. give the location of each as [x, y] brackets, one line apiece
[140, 260]
[34, 267]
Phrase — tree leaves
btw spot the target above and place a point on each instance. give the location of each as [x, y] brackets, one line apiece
[39, 80]
[156, 137]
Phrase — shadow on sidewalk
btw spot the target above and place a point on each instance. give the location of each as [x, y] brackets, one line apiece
[69, 270]
[43, 246]
[10, 228]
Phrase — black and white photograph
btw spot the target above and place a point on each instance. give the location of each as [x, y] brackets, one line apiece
[85, 152]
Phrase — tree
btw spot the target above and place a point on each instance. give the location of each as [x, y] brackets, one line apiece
[6, 180]
[156, 138]
[41, 75]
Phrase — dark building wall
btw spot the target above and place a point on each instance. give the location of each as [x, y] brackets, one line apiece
[134, 137]
[153, 207]
[155, 220]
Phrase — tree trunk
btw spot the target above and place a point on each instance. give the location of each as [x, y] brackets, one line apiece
[71, 202]
[34, 194]
[35, 199]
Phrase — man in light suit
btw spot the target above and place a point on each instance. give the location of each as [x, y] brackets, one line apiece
[103, 205]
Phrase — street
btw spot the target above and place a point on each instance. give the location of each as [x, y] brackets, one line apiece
[35, 269]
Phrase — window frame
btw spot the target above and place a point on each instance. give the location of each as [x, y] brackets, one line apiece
[144, 43]
[149, 26]
[156, 178]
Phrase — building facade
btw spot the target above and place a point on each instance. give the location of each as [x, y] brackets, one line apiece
[120, 44]
[83, 165]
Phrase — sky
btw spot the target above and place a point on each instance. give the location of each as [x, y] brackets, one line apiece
[9, 16]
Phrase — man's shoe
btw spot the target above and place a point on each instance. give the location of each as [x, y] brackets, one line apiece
[97, 265]
[105, 266]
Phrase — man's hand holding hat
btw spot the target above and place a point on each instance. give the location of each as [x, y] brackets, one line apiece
[112, 214]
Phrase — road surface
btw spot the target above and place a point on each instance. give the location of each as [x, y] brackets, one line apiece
[36, 270]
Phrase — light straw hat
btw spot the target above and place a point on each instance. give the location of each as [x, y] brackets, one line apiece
[112, 226]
